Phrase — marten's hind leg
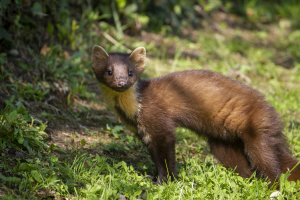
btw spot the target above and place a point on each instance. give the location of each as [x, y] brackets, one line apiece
[231, 154]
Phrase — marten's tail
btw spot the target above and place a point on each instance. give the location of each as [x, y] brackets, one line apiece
[288, 163]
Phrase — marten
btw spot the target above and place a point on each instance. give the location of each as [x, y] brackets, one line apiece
[243, 130]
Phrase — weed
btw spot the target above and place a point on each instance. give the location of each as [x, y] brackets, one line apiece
[19, 130]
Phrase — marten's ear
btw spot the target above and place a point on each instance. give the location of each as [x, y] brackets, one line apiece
[138, 58]
[99, 58]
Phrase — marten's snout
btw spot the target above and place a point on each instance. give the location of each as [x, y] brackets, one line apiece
[121, 81]
[121, 84]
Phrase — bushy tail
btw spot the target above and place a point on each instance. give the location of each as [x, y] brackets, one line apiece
[289, 163]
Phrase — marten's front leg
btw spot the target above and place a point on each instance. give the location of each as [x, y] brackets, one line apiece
[161, 146]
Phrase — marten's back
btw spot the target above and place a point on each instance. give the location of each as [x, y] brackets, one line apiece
[206, 102]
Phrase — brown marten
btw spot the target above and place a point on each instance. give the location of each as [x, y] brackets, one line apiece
[243, 130]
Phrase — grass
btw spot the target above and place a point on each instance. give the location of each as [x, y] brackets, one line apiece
[58, 140]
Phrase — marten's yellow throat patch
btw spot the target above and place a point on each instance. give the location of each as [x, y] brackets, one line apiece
[126, 100]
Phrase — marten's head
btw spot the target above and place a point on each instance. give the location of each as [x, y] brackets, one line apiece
[118, 71]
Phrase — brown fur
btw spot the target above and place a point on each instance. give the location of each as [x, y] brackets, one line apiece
[243, 130]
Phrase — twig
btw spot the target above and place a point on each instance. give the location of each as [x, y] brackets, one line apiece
[54, 108]
[115, 42]
[208, 18]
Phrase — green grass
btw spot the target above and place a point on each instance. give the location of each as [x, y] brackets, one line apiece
[57, 139]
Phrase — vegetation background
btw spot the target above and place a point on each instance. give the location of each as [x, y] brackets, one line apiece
[58, 140]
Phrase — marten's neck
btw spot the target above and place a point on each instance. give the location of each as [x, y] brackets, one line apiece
[123, 103]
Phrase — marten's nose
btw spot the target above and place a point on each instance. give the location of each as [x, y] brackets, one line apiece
[121, 83]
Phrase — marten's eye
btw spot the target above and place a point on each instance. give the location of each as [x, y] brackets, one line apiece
[110, 73]
[130, 73]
